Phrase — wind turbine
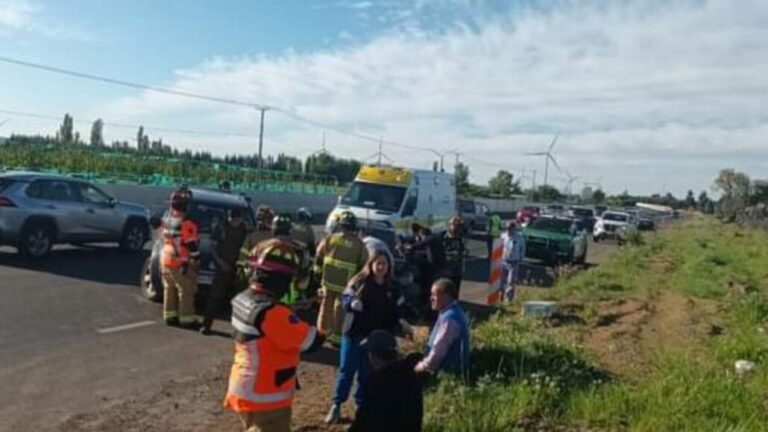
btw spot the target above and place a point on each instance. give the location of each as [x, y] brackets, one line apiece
[547, 158]
[570, 180]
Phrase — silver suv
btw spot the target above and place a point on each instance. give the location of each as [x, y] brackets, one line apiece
[40, 210]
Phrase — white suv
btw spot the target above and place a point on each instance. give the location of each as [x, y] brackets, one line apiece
[611, 224]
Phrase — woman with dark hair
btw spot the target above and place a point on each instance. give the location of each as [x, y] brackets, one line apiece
[371, 302]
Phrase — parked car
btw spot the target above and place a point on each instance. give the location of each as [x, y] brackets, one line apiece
[527, 214]
[207, 209]
[645, 221]
[584, 216]
[38, 211]
[555, 241]
[554, 210]
[475, 215]
[611, 223]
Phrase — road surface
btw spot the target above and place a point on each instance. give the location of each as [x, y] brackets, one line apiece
[76, 337]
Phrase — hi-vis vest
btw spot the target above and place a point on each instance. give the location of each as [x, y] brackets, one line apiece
[269, 339]
[345, 256]
[181, 241]
[251, 241]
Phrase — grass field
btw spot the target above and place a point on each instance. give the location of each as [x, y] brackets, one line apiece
[645, 342]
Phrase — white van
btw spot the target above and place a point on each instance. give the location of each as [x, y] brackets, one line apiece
[387, 200]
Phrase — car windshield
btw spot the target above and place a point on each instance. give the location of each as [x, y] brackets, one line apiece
[562, 226]
[208, 216]
[466, 207]
[374, 196]
[582, 212]
[617, 217]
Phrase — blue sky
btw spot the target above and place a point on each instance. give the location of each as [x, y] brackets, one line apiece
[649, 95]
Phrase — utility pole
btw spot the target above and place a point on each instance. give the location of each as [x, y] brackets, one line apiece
[380, 151]
[533, 183]
[261, 138]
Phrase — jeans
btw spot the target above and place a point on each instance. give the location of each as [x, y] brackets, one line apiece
[354, 360]
[510, 276]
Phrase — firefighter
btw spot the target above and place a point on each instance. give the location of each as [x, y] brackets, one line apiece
[180, 262]
[262, 231]
[302, 231]
[339, 257]
[225, 246]
[268, 341]
[281, 234]
[303, 235]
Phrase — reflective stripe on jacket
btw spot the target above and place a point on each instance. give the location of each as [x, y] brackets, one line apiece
[269, 339]
[181, 241]
[342, 256]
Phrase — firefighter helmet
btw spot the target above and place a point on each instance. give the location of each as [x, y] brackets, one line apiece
[348, 220]
[281, 225]
[278, 258]
[303, 215]
[180, 198]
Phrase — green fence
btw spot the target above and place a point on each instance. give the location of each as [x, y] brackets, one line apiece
[115, 167]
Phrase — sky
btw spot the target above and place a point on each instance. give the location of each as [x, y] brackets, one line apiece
[648, 96]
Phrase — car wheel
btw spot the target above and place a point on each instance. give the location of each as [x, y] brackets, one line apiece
[134, 237]
[36, 241]
[151, 285]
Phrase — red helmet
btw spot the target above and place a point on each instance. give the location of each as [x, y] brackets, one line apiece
[180, 198]
[276, 257]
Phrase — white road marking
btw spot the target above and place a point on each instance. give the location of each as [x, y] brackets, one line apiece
[125, 327]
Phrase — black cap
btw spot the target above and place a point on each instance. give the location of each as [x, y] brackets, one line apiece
[380, 341]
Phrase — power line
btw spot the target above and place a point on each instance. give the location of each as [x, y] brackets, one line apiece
[229, 101]
[136, 126]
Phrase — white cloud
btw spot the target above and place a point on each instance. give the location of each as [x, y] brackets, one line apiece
[29, 16]
[641, 91]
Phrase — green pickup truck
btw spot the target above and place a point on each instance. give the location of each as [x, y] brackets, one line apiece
[555, 241]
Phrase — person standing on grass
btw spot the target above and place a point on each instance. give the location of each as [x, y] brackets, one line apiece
[370, 302]
[514, 254]
[448, 346]
[394, 399]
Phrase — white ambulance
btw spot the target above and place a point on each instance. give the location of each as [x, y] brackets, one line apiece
[387, 200]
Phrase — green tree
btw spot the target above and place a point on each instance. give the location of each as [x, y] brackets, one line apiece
[501, 184]
[461, 172]
[690, 200]
[66, 130]
[547, 193]
[735, 189]
[598, 196]
[97, 133]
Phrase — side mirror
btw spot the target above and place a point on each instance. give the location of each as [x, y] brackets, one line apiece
[112, 202]
[155, 222]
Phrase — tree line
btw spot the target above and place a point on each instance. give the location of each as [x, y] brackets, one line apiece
[73, 152]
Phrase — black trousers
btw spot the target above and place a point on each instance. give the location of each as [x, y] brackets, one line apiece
[223, 286]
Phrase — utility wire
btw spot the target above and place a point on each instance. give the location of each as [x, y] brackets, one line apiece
[209, 98]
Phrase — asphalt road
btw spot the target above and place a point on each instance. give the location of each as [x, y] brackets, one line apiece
[75, 335]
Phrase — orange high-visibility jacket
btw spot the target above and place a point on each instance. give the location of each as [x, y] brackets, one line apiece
[181, 241]
[269, 339]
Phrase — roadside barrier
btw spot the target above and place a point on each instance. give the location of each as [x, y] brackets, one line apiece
[495, 284]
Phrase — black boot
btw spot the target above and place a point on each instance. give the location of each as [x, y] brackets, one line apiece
[172, 322]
